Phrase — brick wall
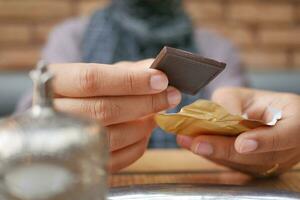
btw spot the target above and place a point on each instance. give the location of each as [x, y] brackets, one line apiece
[266, 31]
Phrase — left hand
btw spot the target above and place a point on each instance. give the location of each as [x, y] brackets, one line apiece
[123, 97]
[264, 151]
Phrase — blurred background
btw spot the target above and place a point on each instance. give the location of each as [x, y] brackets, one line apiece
[267, 33]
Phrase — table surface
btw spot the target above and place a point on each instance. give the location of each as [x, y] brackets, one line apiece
[180, 166]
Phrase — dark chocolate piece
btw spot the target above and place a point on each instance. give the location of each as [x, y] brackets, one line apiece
[186, 71]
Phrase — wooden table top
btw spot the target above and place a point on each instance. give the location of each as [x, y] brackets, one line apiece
[180, 166]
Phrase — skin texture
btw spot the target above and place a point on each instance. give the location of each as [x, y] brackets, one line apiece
[123, 97]
[259, 150]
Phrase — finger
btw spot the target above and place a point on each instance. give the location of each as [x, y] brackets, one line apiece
[222, 148]
[263, 106]
[280, 137]
[231, 99]
[114, 110]
[125, 157]
[126, 134]
[253, 169]
[184, 141]
[258, 109]
[90, 80]
[242, 100]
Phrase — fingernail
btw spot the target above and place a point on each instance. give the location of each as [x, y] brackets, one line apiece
[204, 149]
[183, 140]
[247, 145]
[159, 82]
[174, 96]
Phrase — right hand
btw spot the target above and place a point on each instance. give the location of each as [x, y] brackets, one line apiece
[262, 152]
[122, 97]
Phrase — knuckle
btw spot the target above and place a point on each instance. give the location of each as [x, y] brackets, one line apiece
[117, 140]
[88, 79]
[96, 109]
[85, 108]
[107, 111]
[130, 82]
[156, 103]
[91, 108]
[103, 110]
[229, 153]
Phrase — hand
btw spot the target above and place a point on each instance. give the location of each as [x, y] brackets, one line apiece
[256, 151]
[122, 97]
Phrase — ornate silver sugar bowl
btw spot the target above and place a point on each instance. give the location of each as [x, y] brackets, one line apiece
[47, 155]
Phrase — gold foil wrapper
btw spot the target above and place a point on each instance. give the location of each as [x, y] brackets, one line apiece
[207, 117]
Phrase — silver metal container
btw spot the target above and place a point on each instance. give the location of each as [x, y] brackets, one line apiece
[198, 192]
[47, 155]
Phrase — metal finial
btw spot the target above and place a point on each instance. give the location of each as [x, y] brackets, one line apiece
[41, 73]
[42, 78]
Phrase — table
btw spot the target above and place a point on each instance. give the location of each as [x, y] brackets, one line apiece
[181, 166]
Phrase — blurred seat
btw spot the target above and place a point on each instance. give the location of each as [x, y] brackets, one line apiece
[285, 80]
[12, 86]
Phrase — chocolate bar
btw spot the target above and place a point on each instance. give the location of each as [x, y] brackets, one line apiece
[186, 71]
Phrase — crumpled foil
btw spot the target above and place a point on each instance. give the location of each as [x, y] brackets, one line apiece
[207, 117]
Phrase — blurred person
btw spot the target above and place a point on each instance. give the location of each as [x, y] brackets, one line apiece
[129, 30]
[265, 151]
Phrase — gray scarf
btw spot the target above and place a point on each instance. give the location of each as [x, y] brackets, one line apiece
[136, 29]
